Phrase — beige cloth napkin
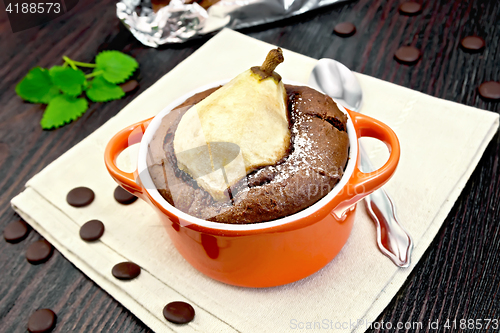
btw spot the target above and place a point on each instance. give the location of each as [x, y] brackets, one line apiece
[441, 143]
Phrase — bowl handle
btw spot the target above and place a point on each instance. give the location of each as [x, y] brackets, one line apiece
[361, 183]
[118, 143]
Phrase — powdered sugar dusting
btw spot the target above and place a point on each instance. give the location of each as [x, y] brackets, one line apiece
[301, 156]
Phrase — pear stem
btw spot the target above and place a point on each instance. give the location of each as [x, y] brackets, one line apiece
[273, 59]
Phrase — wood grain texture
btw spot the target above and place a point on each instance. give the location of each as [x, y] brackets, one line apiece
[457, 278]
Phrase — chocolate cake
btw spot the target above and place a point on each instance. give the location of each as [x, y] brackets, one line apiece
[315, 162]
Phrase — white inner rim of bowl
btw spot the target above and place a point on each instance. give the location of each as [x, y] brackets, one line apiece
[149, 186]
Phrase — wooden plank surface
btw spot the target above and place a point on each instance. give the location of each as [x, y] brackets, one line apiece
[458, 277]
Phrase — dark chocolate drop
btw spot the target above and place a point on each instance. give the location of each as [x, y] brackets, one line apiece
[80, 197]
[126, 270]
[39, 252]
[490, 90]
[345, 29]
[178, 312]
[16, 231]
[91, 230]
[473, 43]
[123, 196]
[42, 321]
[129, 86]
[410, 8]
[407, 54]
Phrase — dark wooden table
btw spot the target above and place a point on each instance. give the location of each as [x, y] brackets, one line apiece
[457, 278]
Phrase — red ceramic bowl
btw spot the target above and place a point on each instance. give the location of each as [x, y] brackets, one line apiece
[269, 253]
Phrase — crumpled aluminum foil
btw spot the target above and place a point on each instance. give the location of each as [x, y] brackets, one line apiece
[178, 21]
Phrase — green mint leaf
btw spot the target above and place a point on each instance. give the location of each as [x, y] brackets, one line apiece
[67, 79]
[100, 90]
[37, 87]
[63, 109]
[116, 67]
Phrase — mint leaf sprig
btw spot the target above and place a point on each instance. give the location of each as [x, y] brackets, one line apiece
[62, 87]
